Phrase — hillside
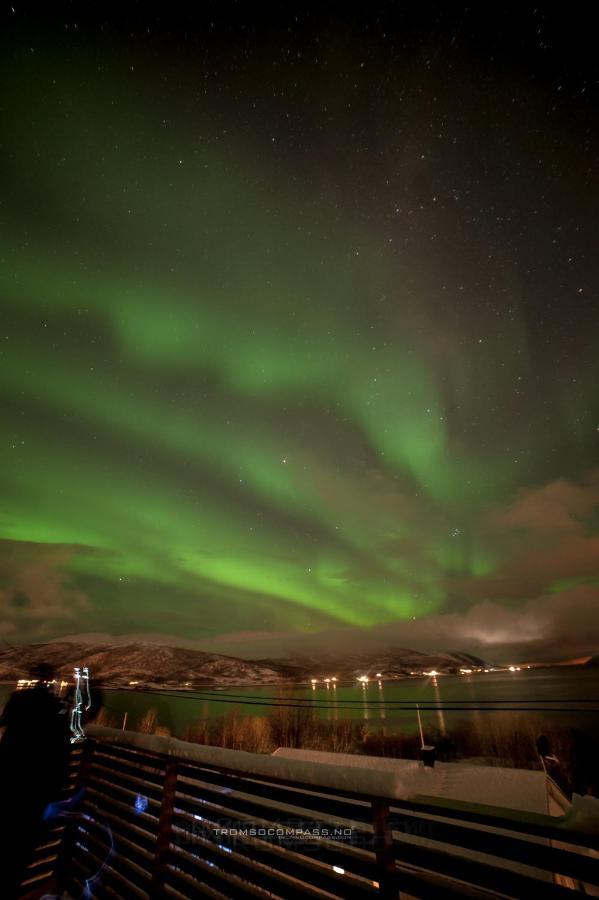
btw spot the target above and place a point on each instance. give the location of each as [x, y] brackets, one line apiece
[158, 665]
[395, 663]
[147, 664]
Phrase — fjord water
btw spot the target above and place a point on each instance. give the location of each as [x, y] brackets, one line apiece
[566, 697]
[563, 696]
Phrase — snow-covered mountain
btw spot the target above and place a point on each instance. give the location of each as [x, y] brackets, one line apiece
[396, 662]
[144, 663]
[152, 664]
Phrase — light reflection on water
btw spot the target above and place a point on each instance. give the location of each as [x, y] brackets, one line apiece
[376, 702]
[440, 714]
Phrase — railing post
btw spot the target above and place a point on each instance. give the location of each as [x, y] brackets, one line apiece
[165, 826]
[383, 848]
[62, 867]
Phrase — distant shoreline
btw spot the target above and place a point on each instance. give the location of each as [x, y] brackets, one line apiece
[341, 683]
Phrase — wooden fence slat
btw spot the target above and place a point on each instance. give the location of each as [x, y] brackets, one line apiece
[356, 862]
[538, 855]
[259, 858]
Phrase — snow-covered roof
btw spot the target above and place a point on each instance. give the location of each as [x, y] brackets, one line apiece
[521, 789]
[330, 775]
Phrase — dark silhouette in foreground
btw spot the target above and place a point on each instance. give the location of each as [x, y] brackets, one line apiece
[33, 769]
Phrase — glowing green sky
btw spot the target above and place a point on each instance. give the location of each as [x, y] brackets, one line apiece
[271, 366]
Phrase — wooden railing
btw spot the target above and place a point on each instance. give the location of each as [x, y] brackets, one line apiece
[42, 869]
[161, 818]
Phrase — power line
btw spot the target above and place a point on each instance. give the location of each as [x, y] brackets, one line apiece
[391, 707]
[329, 703]
[373, 702]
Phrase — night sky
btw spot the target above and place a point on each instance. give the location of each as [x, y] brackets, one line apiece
[299, 326]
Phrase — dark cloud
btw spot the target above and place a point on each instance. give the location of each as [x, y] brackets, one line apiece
[37, 593]
[547, 628]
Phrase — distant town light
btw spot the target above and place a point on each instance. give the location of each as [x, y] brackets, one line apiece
[432, 674]
[134, 682]
[363, 678]
[379, 674]
[512, 668]
[338, 870]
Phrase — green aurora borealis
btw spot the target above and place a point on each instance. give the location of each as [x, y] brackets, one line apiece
[261, 375]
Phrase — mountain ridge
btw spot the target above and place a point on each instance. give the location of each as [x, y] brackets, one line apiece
[149, 664]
